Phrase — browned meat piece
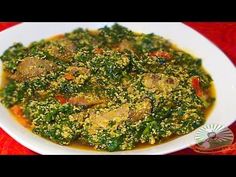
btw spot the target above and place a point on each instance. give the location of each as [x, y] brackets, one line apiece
[150, 80]
[63, 41]
[31, 67]
[141, 110]
[159, 82]
[67, 44]
[63, 49]
[102, 120]
[121, 112]
[86, 100]
[62, 54]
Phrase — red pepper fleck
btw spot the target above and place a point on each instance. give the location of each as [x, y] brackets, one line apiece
[61, 99]
[196, 86]
[98, 50]
[161, 54]
[69, 76]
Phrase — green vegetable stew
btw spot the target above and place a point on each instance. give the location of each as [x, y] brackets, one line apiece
[111, 89]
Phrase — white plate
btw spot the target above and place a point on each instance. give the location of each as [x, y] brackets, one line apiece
[217, 64]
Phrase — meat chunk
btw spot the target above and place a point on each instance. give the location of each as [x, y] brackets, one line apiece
[86, 100]
[159, 82]
[102, 120]
[63, 49]
[68, 44]
[119, 113]
[150, 80]
[141, 110]
[31, 67]
[61, 54]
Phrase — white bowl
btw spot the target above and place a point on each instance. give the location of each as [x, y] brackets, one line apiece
[216, 62]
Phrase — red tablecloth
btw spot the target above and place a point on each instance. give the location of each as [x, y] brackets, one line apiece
[222, 34]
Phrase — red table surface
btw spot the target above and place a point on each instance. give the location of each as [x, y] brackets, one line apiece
[223, 34]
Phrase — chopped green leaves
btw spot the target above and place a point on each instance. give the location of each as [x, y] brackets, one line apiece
[110, 69]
